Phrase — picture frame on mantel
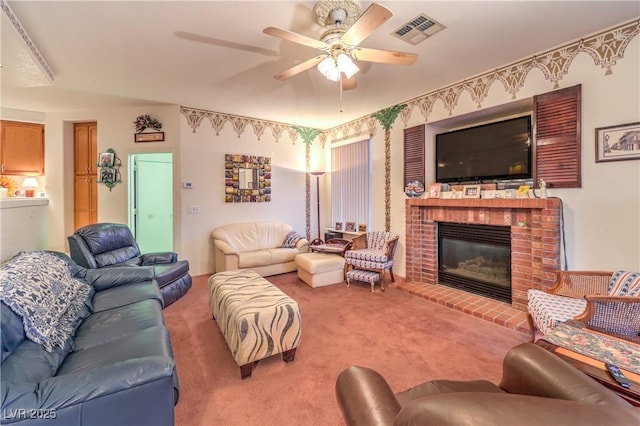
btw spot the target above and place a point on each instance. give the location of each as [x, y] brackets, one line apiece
[149, 137]
[471, 191]
[434, 190]
[617, 143]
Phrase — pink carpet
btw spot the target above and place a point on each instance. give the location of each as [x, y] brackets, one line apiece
[407, 339]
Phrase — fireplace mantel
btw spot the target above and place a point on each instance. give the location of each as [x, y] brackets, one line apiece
[535, 237]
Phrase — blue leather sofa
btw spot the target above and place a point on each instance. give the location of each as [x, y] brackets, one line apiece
[102, 245]
[117, 365]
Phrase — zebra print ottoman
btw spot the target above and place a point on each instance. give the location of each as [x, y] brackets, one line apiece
[255, 317]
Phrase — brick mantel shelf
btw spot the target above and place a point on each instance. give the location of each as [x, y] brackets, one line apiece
[535, 237]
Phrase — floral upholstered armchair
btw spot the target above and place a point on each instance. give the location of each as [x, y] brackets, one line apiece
[602, 301]
[372, 252]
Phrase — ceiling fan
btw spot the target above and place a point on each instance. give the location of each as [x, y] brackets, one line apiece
[340, 43]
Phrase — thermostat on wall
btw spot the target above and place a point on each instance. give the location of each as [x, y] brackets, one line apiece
[187, 185]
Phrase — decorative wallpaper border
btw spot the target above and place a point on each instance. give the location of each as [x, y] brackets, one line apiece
[25, 37]
[606, 48]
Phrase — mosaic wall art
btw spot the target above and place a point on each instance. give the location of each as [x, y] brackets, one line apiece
[247, 178]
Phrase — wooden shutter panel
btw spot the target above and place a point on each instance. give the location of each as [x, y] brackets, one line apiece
[414, 154]
[558, 138]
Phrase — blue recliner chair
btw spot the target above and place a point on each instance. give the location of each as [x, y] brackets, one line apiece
[103, 245]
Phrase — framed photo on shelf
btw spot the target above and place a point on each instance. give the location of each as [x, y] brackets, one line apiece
[106, 159]
[616, 143]
[107, 175]
[434, 190]
[362, 227]
[471, 191]
[350, 227]
[338, 226]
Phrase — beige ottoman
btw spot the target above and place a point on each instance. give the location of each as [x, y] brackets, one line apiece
[320, 269]
[255, 317]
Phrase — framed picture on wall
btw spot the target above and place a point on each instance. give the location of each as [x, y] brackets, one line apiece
[105, 159]
[615, 143]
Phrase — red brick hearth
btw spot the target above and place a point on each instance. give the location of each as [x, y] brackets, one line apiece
[535, 239]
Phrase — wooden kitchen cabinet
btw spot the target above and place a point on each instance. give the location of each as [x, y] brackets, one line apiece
[85, 148]
[85, 159]
[22, 148]
[85, 201]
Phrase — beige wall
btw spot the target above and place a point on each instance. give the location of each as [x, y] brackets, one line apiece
[601, 219]
[203, 166]
[602, 225]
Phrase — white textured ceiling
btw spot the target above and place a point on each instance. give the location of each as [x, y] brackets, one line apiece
[213, 54]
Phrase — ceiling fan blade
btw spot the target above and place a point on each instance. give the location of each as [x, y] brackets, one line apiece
[348, 83]
[295, 37]
[368, 22]
[384, 56]
[297, 69]
[224, 43]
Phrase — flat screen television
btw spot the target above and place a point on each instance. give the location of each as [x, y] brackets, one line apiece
[494, 151]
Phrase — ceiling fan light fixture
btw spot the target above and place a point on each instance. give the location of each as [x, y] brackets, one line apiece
[329, 69]
[346, 65]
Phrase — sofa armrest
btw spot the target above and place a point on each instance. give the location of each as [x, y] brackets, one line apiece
[302, 245]
[159, 258]
[365, 397]
[224, 247]
[67, 390]
[529, 369]
[618, 316]
[104, 278]
[480, 409]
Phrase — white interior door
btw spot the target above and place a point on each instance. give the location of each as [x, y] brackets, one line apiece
[153, 201]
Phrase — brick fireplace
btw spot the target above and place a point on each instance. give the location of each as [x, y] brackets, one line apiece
[535, 238]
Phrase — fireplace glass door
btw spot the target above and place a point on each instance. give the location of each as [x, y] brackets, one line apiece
[475, 258]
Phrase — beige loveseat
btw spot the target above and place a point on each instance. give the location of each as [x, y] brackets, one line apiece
[256, 246]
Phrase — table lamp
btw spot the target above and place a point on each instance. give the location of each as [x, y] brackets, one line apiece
[30, 184]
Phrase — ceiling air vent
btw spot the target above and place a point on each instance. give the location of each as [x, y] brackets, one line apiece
[418, 29]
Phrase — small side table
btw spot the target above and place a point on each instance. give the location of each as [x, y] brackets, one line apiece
[334, 245]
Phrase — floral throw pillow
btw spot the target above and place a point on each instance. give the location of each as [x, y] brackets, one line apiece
[39, 288]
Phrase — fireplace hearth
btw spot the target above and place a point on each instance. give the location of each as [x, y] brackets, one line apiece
[534, 226]
[475, 258]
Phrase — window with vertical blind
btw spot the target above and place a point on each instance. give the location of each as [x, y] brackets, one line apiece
[414, 154]
[351, 182]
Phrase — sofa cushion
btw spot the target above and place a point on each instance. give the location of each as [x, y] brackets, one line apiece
[12, 330]
[126, 295]
[153, 341]
[119, 256]
[38, 287]
[250, 259]
[283, 255]
[549, 310]
[240, 236]
[103, 327]
[107, 237]
[41, 363]
[271, 234]
[624, 283]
